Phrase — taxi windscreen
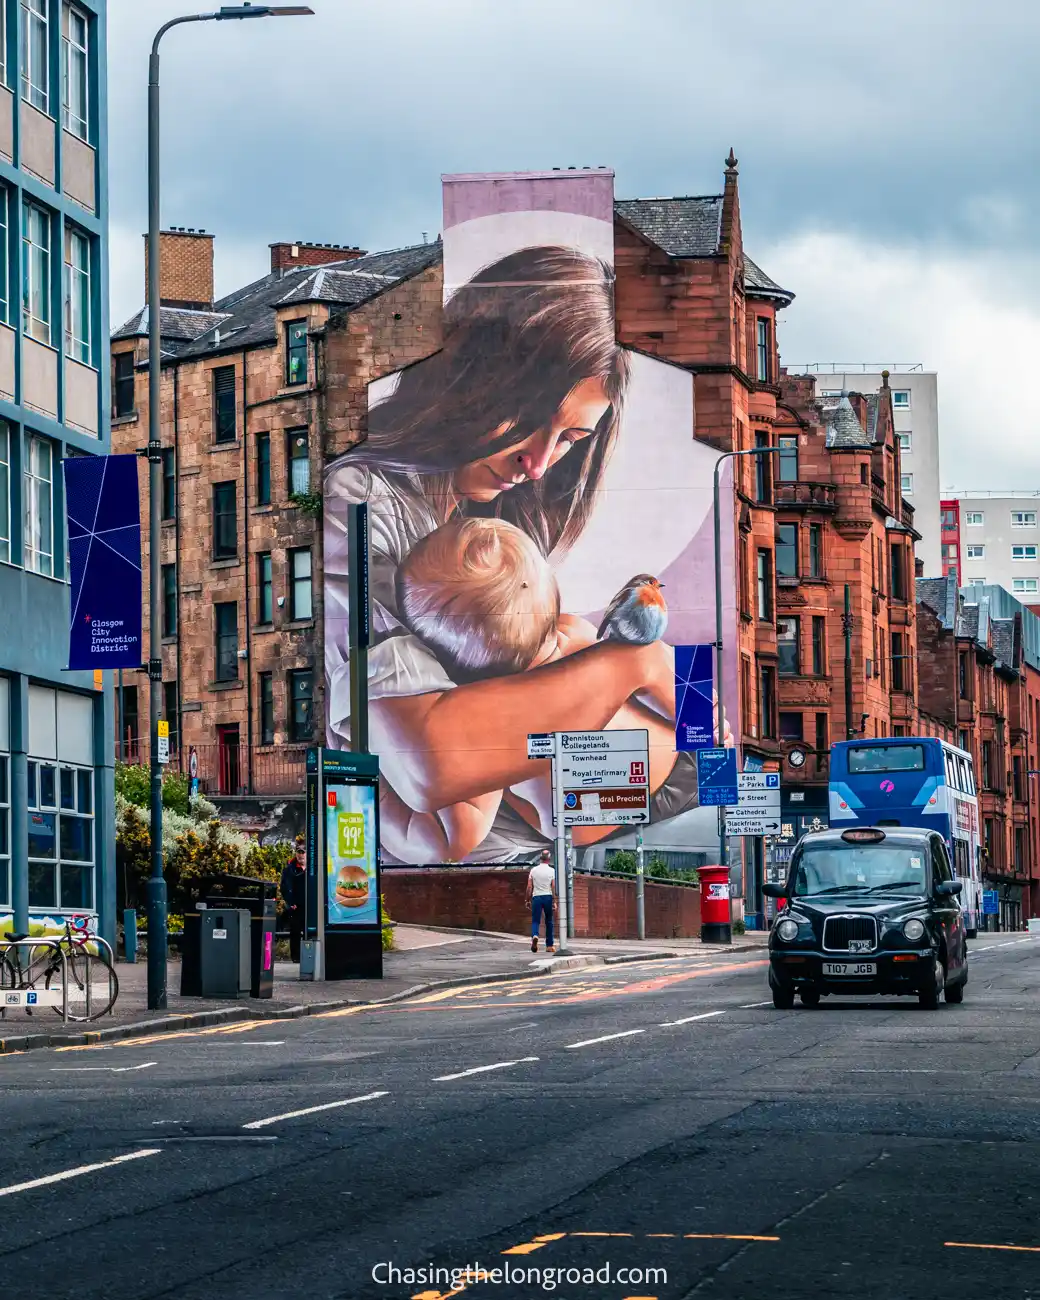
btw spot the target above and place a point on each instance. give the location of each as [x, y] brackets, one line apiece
[885, 869]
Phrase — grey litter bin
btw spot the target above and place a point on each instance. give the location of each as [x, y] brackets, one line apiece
[224, 953]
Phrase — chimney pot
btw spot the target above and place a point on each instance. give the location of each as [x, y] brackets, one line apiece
[185, 268]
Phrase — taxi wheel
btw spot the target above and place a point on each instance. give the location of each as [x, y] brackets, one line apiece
[929, 995]
[810, 997]
[783, 999]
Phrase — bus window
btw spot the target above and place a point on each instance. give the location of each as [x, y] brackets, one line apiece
[886, 758]
[950, 763]
[968, 776]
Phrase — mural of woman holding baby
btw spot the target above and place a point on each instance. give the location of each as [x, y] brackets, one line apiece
[482, 464]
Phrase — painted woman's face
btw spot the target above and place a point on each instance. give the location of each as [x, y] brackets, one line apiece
[579, 414]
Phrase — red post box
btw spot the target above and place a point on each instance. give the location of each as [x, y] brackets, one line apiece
[715, 910]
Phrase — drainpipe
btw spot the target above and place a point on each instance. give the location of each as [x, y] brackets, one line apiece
[245, 576]
[177, 560]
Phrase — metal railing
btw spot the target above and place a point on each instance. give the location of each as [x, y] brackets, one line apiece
[856, 368]
[229, 770]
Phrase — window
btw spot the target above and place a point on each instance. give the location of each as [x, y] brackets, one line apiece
[901, 675]
[949, 551]
[226, 616]
[36, 273]
[767, 703]
[298, 456]
[171, 712]
[127, 723]
[301, 692]
[987, 764]
[35, 51]
[263, 469]
[763, 350]
[61, 836]
[1023, 519]
[815, 550]
[763, 472]
[264, 597]
[787, 460]
[963, 676]
[1024, 586]
[5, 492]
[746, 705]
[122, 384]
[962, 739]
[822, 747]
[224, 422]
[906, 484]
[5, 831]
[39, 505]
[77, 295]
[974, 518]
[168, 505]
[1018, 777]
[977, 582]
[819, 646]
[169, 600]
[1023, 552]
[885, 758]
[744, 578]
[296, 352]
[225, 521]
[791, 726]
[75, 31]
[788, 636]
[5, 311]
[901, 399]
[300, 604]
[906, 440]
[976, 552]
[765, 586]
[787, 550]
[266, 692]
[898, 563]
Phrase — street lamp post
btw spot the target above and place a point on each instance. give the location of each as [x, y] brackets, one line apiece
[157, 937]
[719, 727]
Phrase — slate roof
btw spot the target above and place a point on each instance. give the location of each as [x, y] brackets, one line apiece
[940, 596]
[1004, 641]
[843, 426]
[968, 621]
[247, 316]
[692, 227]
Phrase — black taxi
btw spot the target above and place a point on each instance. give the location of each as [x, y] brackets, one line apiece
[868, 910]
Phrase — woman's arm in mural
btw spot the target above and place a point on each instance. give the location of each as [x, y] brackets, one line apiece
[448, 746]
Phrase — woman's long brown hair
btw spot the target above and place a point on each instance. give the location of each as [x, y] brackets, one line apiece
[518, 337]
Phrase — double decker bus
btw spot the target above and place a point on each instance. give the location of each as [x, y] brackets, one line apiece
[913, 781]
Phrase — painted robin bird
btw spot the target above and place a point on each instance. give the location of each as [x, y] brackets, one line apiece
[638, 614]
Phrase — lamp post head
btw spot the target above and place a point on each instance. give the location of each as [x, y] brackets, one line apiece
[263, 11]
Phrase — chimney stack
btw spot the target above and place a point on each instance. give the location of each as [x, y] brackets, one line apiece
[185, 268]
[286, 256]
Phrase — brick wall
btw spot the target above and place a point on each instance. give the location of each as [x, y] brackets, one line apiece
[285, 256]
[604, 907]
[185, 268]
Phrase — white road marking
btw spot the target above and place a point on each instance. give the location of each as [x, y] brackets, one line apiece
[589, 1042]
[483, 1069]
[705, 1015]
[529, 1024]
[77, 1173]
[747, 1006]
[313, 1110]
[245, 1042]
[866, 1071]
[100, 1069]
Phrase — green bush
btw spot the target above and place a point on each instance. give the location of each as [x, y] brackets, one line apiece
[134, 783]
[654, 867]
[387, 931]
[738, 927]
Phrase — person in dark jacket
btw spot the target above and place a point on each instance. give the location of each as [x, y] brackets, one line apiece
[293, 890]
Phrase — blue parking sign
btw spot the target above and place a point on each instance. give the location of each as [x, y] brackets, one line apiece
[717, 777]
[30, 999]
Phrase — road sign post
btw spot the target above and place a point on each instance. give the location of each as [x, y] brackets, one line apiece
[640, 890]
[758, 805]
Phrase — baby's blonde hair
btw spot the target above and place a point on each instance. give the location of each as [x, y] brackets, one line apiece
[481, 595]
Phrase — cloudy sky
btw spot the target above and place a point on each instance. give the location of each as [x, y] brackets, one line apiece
[888, 155]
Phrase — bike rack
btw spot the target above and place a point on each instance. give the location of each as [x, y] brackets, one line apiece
[5, 944]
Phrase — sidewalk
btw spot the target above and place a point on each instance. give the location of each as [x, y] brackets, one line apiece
[423, 958]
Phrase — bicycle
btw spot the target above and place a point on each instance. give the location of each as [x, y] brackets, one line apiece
[93, 985]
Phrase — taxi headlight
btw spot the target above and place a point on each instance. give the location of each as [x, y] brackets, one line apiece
[787, 929]
[913, 929]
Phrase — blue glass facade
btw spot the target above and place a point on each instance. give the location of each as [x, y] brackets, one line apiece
[57, 849]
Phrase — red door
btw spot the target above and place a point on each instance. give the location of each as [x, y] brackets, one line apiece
[229, 779]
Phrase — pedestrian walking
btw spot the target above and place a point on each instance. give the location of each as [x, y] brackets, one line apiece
[541, 894]
[293, 889]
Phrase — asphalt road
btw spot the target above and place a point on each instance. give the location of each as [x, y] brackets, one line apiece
[653, 1117]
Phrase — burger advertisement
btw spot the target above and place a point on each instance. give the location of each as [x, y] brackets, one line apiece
[350, 846]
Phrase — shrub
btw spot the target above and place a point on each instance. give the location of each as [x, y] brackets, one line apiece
[387, 932]
[134, 784]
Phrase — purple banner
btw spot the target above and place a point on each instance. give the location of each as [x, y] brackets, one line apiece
[104, 521]
[694, 687]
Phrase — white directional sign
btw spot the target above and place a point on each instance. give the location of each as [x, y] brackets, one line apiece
[604, 777]
[758, 808]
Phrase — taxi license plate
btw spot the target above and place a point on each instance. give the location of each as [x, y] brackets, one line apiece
[850, 968]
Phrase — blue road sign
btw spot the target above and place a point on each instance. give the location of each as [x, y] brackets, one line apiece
[716, 777]
[990, 902]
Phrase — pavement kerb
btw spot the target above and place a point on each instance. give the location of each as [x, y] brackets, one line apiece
[231, 1015]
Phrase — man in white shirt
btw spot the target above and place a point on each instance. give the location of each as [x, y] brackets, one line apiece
[541, 894]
